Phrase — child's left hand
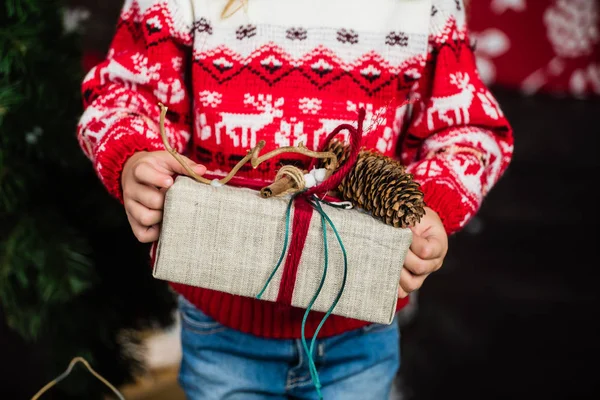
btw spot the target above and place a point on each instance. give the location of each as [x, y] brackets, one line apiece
[426, 253]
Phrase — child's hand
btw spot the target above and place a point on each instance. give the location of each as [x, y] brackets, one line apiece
[145, 178]
[426, 254]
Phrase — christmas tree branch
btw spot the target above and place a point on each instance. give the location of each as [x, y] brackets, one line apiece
[58, 287]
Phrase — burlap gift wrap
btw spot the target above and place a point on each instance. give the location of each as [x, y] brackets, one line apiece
[230, 239]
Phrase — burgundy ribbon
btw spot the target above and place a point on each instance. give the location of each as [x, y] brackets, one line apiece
[303, 210]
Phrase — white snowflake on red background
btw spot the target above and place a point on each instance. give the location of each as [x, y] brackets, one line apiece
[491, 43]
[177, 63]
[584, 79]
[310, 105]
[572, 27]
[142, 68]
[210, 99]
[501, 6]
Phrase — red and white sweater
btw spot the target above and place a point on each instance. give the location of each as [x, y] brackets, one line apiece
[290, 71]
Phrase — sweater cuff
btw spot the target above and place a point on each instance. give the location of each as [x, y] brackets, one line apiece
[448, 203]
[126, 137]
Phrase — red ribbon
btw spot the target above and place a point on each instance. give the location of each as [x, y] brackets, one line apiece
[303, 210]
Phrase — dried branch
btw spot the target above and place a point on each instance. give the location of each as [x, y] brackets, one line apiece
[300, 149]
[250, 155]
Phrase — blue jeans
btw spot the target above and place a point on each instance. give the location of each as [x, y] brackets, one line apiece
[220, 363]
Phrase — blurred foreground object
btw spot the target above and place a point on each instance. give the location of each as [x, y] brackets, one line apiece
[62, 286]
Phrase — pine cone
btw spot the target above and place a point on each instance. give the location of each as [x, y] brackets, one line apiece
[380, 185]
[339, 149]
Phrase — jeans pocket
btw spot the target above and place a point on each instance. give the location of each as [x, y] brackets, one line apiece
[194, 320]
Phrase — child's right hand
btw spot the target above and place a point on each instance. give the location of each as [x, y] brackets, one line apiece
[145, 178]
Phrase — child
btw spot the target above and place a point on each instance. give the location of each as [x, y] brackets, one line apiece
[232, 73]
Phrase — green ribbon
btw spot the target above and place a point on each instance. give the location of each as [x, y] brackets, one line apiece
[315, 202]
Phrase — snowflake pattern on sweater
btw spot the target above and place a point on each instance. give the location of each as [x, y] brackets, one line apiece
[286, 72]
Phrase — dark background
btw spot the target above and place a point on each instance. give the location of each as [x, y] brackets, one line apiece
[512, 313]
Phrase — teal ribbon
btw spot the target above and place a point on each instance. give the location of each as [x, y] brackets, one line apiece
[315, 202]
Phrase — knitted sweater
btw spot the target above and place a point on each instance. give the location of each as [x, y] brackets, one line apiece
[290, 71]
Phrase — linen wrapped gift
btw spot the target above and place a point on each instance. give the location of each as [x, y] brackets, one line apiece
[287, 249]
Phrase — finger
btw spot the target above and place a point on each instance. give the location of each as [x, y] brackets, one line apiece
[409, 282]
[150, 197]
[143, 215]
[143, 234]
[420, 267]
[401, 293]
[171, 165]
[427, 248]
[147, 174]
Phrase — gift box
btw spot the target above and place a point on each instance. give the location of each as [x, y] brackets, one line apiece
[230, 239]
[293, 242]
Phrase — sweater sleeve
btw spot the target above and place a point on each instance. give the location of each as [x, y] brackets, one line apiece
[145, 65]
[458, 142]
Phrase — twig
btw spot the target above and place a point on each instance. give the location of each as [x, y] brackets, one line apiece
[250, 155]
[300, 149]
